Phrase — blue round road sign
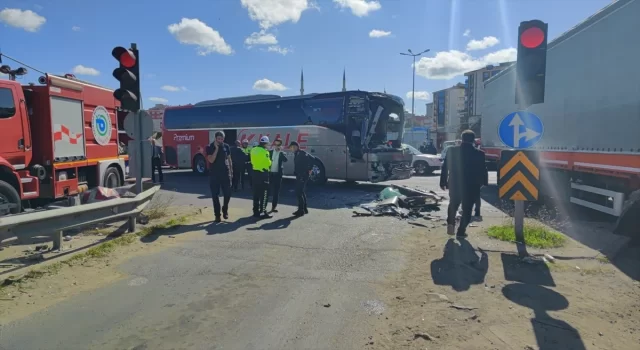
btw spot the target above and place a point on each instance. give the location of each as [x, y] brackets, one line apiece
[521, 129]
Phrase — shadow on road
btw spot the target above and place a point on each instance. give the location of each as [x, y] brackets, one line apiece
[531, 277]
[460, 266]
[332, 195]
[591, 228]
[279, 224]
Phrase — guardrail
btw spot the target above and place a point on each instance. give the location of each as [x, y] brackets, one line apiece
[55, 222]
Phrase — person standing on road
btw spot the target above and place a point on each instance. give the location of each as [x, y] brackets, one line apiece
[261, 163]
[485, 182]
[238, 158]
[220, 174]
[156, 161]
[248, 172]
[278, 158]
[463, 173]
[302, 164]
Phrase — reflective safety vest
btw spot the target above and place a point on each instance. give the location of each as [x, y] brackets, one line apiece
[260, 159]
[246, 151]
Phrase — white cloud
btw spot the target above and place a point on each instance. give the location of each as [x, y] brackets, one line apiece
[376, 33]
[449, 64]
[27, 19]
[76, 28]
[420, 95]
[172, 88]
[268, 85]
[485, 43]
[467, 32]
[261, 38]
[359, 8]
[82, 70]
[281, 50]
[158, 100]
[191, 31]
[270, 13]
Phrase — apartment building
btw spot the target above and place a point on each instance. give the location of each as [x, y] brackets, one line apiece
[448, 108]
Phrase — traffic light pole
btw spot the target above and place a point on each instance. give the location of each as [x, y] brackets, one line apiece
[518, 216]
[137, 129]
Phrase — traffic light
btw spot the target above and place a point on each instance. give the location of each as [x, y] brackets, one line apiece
[128, 74]
[532, 63]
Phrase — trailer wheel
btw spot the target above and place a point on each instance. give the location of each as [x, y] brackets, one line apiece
[9, 195]
[199, 165]
[318, 176]
[111, 178]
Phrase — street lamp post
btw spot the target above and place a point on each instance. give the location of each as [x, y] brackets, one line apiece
[413, 88]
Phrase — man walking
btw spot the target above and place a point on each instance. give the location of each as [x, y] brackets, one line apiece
[463, 173]
[302, 164]
[156, 161]
[261, 163]
[238, 158]
[220, 174]
[278, 158]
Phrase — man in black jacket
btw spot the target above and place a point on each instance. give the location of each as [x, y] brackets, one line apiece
[463, 173]
[278, 158]
[302, 165]
[238, 157]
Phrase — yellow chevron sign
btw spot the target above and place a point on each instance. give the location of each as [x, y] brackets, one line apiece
[519, 175]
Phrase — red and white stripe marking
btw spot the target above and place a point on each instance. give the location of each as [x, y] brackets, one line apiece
[61, 132]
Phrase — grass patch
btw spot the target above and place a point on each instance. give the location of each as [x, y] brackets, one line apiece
[537, 236]
[99, 251]
[603, 259]
[159, 207]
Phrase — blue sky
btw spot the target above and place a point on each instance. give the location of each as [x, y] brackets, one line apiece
[192, 50]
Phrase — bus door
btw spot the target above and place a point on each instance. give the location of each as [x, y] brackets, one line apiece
[356, 131]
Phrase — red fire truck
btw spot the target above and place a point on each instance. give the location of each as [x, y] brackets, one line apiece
[58, 139]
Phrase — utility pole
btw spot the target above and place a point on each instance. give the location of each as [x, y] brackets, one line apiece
[413, 88]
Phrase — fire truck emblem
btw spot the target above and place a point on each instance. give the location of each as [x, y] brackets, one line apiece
[101, 125]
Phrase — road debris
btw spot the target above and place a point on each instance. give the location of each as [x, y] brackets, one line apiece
[462, 307]
[393, 202]
[422, 335]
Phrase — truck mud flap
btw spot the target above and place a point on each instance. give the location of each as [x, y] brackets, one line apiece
[629, 220]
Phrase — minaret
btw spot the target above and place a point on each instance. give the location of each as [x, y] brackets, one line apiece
[301, 82]
[344, 80]
[385, 89]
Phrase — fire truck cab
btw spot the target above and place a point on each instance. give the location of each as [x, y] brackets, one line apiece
[58, 139]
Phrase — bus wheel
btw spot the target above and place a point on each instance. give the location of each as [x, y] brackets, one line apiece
[318, 175]
[10, 202]
[199, 165]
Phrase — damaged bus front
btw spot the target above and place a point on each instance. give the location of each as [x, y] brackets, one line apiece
[375, 116]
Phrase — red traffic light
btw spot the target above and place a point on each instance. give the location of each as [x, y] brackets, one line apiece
[532, 37]
[124, 56]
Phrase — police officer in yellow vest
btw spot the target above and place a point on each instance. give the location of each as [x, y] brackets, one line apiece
[247, 172]
[261, 163]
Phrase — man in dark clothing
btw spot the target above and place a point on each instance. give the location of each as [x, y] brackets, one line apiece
[463, 173]
[220, 174]
[302, 165]
[156, 161]
[431, 149]
[247, 174]
[479, 199]
[278, 158]
[238, 158]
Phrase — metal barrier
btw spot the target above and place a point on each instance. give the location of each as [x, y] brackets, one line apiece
[55, 222]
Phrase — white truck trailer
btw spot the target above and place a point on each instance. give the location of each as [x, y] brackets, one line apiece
[590, 149]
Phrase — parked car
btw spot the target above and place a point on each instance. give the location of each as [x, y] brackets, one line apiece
[423, 164]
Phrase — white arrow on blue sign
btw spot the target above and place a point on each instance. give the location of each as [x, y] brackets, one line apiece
[521, 129]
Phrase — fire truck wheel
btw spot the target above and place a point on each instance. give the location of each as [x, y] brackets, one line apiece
[9, 195]
[111, 178]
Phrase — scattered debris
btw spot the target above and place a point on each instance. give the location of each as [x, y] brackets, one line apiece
[327, 305]
[393, 203]
[438, 297]
[462, 307]
[41, 247]
[68, 238]
[400, 298]
[550, 258]
[423, 335]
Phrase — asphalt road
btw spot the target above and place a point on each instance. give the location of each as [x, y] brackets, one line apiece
[280, 283]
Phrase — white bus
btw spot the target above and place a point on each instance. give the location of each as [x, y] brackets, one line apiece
[346, 131]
